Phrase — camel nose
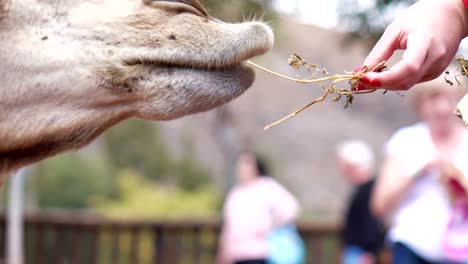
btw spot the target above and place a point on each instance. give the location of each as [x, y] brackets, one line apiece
[263, 37]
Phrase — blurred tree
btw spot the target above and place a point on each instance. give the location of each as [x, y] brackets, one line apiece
[70, 181]
[148, 156]
[135, 144]
[240, 10]
[140, 197]
[368, 22]
[188, 174]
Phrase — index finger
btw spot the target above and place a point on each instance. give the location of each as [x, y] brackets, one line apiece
[385, 47]
[410, 69]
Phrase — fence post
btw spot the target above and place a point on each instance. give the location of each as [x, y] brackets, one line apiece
[14, 225]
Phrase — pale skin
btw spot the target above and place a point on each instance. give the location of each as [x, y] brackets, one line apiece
[446, 132]
[430, 33]
[71, 69]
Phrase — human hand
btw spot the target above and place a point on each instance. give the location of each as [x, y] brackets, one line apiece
[263, 233]
[419, 169]
[367, 259]
[430, 31]
[435, 165]
[221, 258]
[454, 181]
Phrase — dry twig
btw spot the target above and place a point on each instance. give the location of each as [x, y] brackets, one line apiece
[462, 107]
[353, 79]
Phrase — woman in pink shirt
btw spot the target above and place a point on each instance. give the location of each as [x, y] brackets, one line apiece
[255, 207]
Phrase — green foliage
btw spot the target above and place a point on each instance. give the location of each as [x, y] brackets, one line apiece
[189, 175]
[142, 198]
[368, 23]
[148, 156]
[237, 10]
[70, 181]
[135, 145]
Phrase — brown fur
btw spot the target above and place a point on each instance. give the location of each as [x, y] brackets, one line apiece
[3, 9]
[32, 151]
[71, 69]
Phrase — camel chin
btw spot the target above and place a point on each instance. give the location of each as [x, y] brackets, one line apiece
[208, 89]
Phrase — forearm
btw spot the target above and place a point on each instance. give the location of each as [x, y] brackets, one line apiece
[390, 188]
[220, 254]
[290, 215]
[387, 198]
[287, 210]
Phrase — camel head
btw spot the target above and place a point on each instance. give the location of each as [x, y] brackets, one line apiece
[73, 68]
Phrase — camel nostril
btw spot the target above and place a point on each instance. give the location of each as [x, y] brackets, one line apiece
[193, 6]
[172, 37]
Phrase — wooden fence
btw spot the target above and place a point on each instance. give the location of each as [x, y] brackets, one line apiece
[65, 238]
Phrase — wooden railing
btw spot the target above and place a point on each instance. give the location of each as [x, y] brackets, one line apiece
[76, 238]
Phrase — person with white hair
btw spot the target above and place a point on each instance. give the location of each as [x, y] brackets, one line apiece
[363, 233]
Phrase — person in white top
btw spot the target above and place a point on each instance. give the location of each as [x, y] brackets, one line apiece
[255, 206]
[409, 190]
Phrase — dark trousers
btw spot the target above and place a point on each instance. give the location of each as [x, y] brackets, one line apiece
[403, 255]
[253, 261]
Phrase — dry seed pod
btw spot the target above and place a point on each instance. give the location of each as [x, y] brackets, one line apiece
[296, 61]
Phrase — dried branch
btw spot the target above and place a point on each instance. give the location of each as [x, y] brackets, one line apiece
[353, 79]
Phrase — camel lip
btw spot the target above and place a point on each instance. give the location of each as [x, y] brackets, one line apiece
[234, 69]
[252, 39]
[187, 65]
[256, 39]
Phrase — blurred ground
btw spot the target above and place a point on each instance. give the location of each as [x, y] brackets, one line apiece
[302, 149]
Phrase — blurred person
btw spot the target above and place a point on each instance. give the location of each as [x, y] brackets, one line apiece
[430, 32]
[410, 190]
[254, 208]
[363, 233]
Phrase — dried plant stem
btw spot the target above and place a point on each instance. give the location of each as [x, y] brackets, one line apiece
[321, 80]
[354, 79]
[318, 100]
[321, 99]
[463, 65]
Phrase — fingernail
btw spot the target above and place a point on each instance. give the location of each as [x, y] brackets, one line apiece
[358, 69]
[359, 87]
[365, 80]
[376, 83]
